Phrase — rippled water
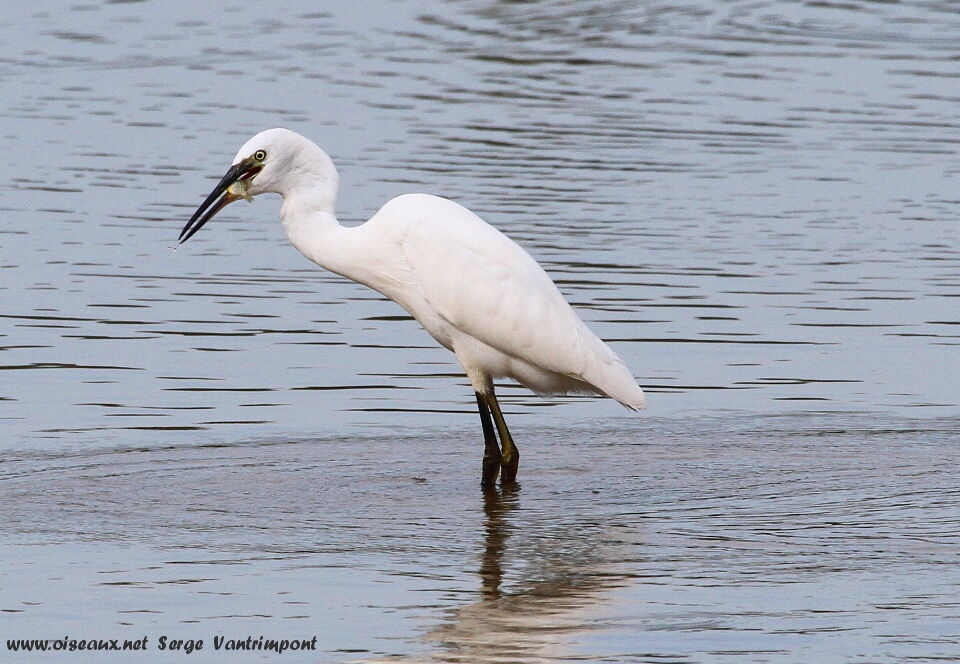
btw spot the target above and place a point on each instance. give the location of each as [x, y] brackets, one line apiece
[755, 202]
[800, 538]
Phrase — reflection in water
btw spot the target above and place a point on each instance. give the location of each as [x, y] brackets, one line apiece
[556, 574]
[496, 506]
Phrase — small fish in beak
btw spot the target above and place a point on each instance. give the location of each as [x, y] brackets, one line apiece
[240, 189]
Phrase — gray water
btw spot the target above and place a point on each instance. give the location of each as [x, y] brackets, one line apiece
[753, 202]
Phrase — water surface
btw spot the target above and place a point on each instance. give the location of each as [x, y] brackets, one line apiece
[754, 202]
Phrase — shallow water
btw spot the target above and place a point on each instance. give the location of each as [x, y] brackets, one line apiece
[805, 539]
[753, 201]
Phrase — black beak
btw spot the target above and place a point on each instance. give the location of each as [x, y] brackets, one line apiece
[244, 170]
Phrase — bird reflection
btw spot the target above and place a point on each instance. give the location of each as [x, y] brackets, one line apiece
[496, 507]
[558, 569]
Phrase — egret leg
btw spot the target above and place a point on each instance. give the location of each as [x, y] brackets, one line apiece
[491, 451]
[510, 455]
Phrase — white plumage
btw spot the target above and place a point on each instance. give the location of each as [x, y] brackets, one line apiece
[483, 297]
[475, 291]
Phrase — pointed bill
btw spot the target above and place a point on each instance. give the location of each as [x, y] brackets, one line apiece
[240, 172]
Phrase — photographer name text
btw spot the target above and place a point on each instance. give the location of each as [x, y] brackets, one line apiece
[164, 643]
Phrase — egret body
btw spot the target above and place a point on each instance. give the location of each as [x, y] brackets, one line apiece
[475, 291]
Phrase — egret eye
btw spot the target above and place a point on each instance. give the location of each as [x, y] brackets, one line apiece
[260, 155]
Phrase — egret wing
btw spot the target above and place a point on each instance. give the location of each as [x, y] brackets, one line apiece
[488, 287]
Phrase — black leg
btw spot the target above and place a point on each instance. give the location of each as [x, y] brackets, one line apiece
[491, 451]
[510, 459]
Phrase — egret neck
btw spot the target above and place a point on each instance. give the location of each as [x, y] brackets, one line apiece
[311, 225]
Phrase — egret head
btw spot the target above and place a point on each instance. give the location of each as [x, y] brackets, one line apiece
[275, 160]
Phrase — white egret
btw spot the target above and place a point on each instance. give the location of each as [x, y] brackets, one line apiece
[472, 289]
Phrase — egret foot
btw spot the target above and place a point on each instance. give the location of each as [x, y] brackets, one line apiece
[491, 451]
[508, 468]
[510, 455]
[491, 467]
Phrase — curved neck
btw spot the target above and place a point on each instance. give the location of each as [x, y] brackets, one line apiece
[311, 226]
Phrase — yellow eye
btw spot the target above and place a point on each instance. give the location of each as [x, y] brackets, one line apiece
[259, 155]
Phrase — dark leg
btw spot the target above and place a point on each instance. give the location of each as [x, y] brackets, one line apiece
[491, 451]
[511, 455]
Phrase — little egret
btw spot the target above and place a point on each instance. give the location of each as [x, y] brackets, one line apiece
[472, 288]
